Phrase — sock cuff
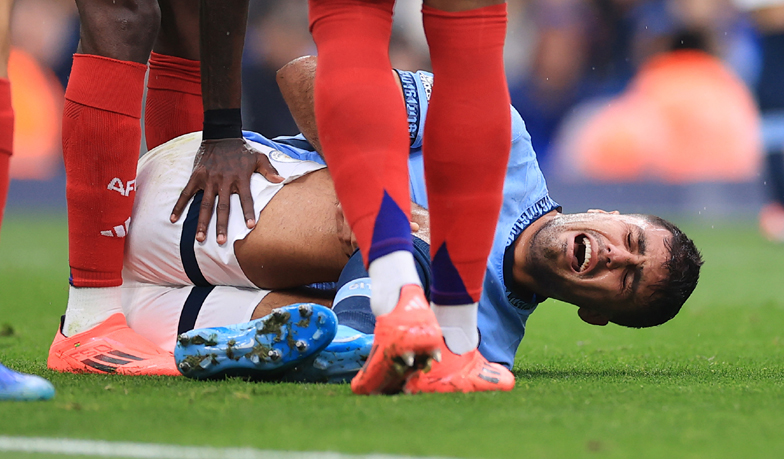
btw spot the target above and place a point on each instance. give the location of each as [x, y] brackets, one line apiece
[362, 321]
[479, 13]
[107, 84]
[472, 29]
[6, 118]
[88, 278]
[174, 74]
[348, 10]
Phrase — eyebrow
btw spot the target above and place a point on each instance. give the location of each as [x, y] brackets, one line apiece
[641, 241]
[636, 281]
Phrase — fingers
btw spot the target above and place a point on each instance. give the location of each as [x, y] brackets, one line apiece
[246, 201]
[414, 227]
[221, 168]
[185, 196]
[266, 169]
[205, 213]
[222, 215]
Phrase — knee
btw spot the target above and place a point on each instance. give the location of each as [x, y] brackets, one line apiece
[120, 29]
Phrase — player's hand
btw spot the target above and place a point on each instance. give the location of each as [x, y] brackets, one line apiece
[221, 168]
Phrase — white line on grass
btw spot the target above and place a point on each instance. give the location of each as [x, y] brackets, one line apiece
[99, 448]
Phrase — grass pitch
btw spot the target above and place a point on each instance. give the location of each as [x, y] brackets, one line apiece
[710, 384]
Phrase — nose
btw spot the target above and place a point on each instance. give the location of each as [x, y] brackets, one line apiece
[619, 257]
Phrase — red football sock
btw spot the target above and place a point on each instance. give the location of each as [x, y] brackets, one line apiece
[101, 139]
[361, 121]
[466, 146]
[6, 140]
[174, 103]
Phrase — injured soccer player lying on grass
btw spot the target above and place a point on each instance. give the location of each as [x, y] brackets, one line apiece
[632, 270]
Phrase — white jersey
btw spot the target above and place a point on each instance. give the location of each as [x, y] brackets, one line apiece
[171, 283]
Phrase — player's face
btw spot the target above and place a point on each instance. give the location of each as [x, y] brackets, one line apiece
[599, 261]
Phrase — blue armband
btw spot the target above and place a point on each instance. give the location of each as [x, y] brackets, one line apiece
[417, 88]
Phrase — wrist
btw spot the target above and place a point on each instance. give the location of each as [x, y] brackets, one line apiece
[225, 123]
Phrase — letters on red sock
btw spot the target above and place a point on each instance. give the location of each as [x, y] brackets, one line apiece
[101, 139]
[174, 105]
[466, 145]
[362, 120]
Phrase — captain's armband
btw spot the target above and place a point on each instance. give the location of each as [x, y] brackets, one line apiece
[417, 88]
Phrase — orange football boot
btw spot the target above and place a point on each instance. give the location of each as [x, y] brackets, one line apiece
[111, 347]
[405, 340]
[469, 372]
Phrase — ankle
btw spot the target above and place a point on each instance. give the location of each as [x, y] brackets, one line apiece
[89, 307]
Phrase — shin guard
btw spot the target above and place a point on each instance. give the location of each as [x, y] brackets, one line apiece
[361, 121]
[174, 105]
[466, 146]
[101, 138]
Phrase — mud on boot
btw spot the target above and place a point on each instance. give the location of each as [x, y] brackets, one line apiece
[261, 349]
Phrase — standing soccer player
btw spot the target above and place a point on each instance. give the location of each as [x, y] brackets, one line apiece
[101, 141]
[362, 126]
[13, 385]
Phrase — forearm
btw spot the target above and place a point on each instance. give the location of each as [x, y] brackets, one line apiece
[222, 36]
[296, 82]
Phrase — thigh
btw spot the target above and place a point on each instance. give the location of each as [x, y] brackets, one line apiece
[160, 252]
[118, 29]
[152, 246]
[160, 313]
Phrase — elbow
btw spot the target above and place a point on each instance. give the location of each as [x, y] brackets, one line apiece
[296, 70]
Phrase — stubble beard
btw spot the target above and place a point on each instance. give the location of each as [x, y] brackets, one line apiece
[543, 253]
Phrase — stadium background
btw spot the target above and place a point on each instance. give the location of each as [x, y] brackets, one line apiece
[566, 60]
[582, 74]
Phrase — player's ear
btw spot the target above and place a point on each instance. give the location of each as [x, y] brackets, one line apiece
[593, 317]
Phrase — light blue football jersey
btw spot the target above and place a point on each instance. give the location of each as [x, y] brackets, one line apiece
[502, 315]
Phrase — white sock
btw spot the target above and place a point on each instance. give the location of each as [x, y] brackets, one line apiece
[389, 274]
[458, 324]
[88, 307]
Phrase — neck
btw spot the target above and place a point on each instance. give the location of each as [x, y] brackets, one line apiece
[520, 271]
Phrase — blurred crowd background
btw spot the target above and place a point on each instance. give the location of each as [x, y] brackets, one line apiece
[677, 92]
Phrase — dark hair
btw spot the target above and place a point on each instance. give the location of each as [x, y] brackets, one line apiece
[669, 295]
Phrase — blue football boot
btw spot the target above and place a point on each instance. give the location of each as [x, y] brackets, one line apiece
[260, 349]
[339, 362]
[20, 386]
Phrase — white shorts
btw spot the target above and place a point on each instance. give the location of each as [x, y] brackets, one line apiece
[160, 313]
[163, 253]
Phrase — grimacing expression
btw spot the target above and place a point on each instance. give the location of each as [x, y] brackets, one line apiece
[599, 261]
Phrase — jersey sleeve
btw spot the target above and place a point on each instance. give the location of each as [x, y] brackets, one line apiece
[295, 146]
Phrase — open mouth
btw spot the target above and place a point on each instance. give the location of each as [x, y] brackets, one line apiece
[582, 253]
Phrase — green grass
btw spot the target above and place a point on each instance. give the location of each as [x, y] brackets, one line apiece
[709, 384]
